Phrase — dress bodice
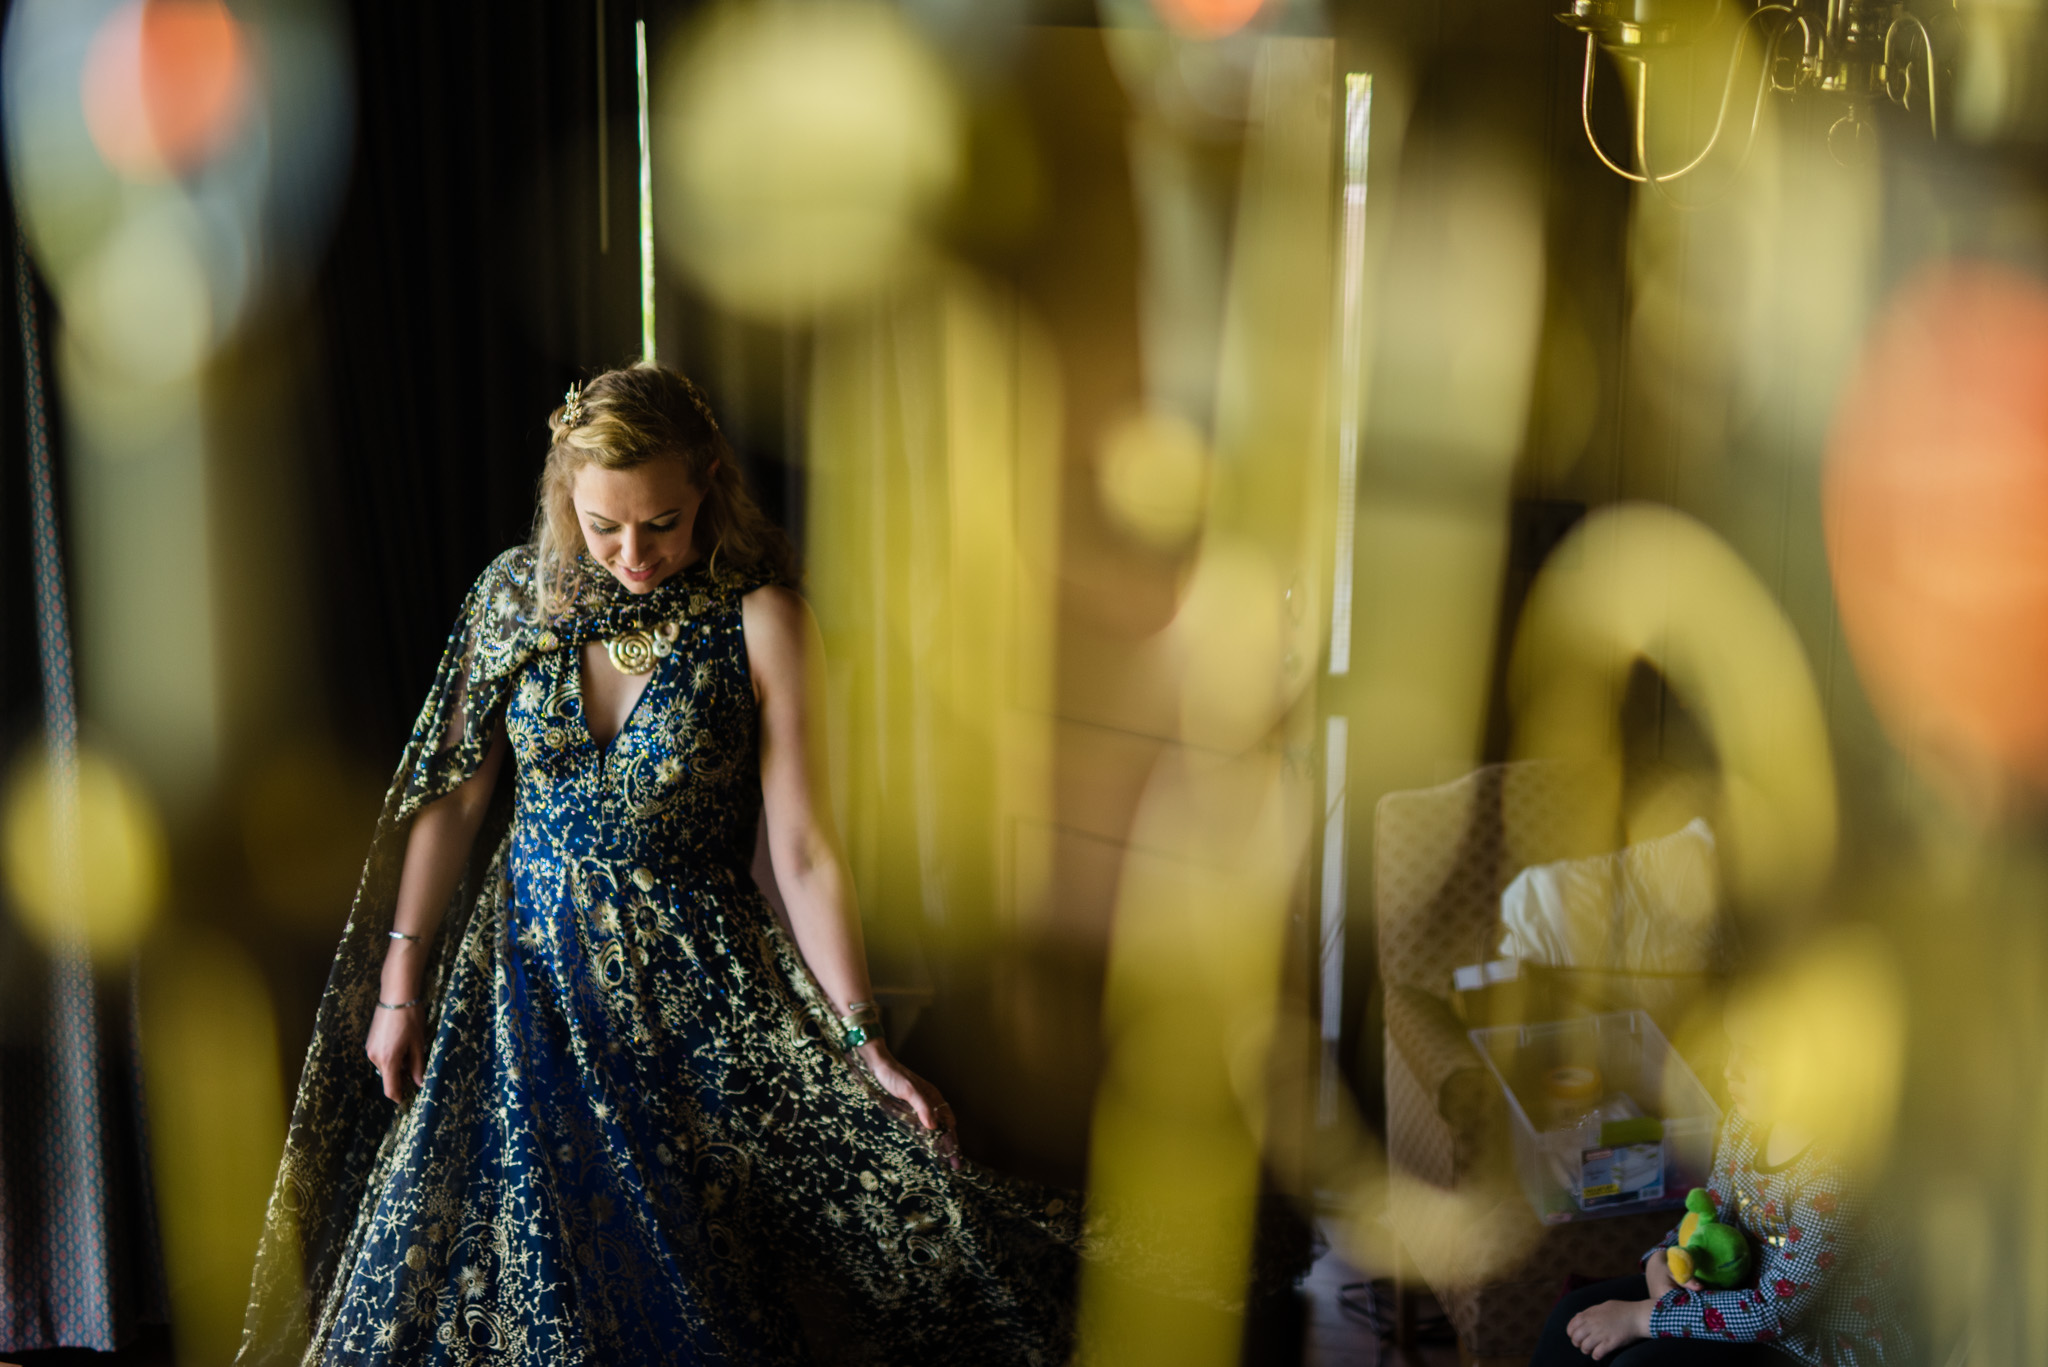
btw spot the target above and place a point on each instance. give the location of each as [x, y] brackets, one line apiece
[677, 790]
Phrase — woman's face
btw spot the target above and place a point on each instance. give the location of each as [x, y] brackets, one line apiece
[638, 523]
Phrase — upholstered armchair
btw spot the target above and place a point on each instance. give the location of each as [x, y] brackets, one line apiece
[1442, 857]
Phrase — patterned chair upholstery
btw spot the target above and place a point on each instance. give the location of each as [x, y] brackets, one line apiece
[1441, 858]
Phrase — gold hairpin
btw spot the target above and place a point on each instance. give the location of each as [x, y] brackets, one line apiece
[572, 405]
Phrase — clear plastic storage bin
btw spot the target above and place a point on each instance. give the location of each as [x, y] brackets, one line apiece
[1568, 1082]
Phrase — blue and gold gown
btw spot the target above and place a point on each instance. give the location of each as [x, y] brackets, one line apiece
[635, 1142]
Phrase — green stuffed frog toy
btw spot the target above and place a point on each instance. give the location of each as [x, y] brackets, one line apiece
[1708, 1252]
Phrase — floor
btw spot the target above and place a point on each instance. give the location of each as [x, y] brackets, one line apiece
[152, 1348]
[1336, 1336]
[1341, 1337]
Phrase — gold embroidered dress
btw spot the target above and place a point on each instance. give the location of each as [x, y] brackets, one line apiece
[636, 1142]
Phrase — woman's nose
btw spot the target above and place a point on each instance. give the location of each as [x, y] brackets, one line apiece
[629, 547]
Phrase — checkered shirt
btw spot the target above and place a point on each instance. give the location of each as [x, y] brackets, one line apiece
[1826, 1264]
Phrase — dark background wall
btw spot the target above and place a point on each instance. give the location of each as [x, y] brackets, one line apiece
[464, 290]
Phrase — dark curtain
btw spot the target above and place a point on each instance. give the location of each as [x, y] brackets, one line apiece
[483, 259]
[465, 288]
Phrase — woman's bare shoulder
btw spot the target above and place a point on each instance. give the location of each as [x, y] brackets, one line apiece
[785, 605]
[778, 626]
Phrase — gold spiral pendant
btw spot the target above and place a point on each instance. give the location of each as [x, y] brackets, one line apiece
[632, 653]
[635, 652]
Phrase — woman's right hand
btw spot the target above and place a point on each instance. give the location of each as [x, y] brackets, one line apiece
[398, 1046]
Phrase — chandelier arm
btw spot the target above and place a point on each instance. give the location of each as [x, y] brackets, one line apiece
[1586, 118]
[1763, 91]
[1798, 21]
[1927, 48]
[1727, 92]
[1756, 114]
[1656, 181]
[1889, 30]
[1933, 106]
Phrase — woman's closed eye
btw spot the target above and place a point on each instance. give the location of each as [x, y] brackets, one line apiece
[664, 525]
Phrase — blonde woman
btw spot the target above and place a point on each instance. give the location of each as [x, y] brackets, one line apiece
[610, 1113]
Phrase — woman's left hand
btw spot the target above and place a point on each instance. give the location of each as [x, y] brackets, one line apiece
[918, 1096]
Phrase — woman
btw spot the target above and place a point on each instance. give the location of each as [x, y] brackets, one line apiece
[633, 1123]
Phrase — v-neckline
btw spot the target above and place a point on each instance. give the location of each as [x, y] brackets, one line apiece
[626, 722]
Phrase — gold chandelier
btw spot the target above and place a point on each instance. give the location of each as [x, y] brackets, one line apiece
[1863, 50]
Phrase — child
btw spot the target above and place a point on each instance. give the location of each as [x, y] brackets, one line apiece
[1824, 1262]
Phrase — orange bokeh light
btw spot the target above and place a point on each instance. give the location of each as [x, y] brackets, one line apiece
[1207, 18]
[165, 85]
[1936, 505]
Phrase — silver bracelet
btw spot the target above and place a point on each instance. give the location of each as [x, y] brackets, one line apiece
[401, 935]
[397, 1006]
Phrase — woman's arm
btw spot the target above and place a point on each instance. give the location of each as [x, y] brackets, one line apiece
[786, 657]
[436, 850]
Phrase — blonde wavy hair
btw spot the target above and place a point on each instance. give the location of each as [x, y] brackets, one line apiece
[627, 418]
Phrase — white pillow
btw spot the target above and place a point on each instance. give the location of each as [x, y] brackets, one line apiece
[1648, 908]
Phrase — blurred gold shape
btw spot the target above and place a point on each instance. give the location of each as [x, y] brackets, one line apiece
[141, 306]
[804, 149]
[1453, 358]
[1635, 583]
[1568, 398]
[1231, 634]
[216, 1116]
[1192, 995]
[1154, 475]
[1830, 1027]
[1957, 1237]
[84, 852]
[1193, 1004]
[1990, 69]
